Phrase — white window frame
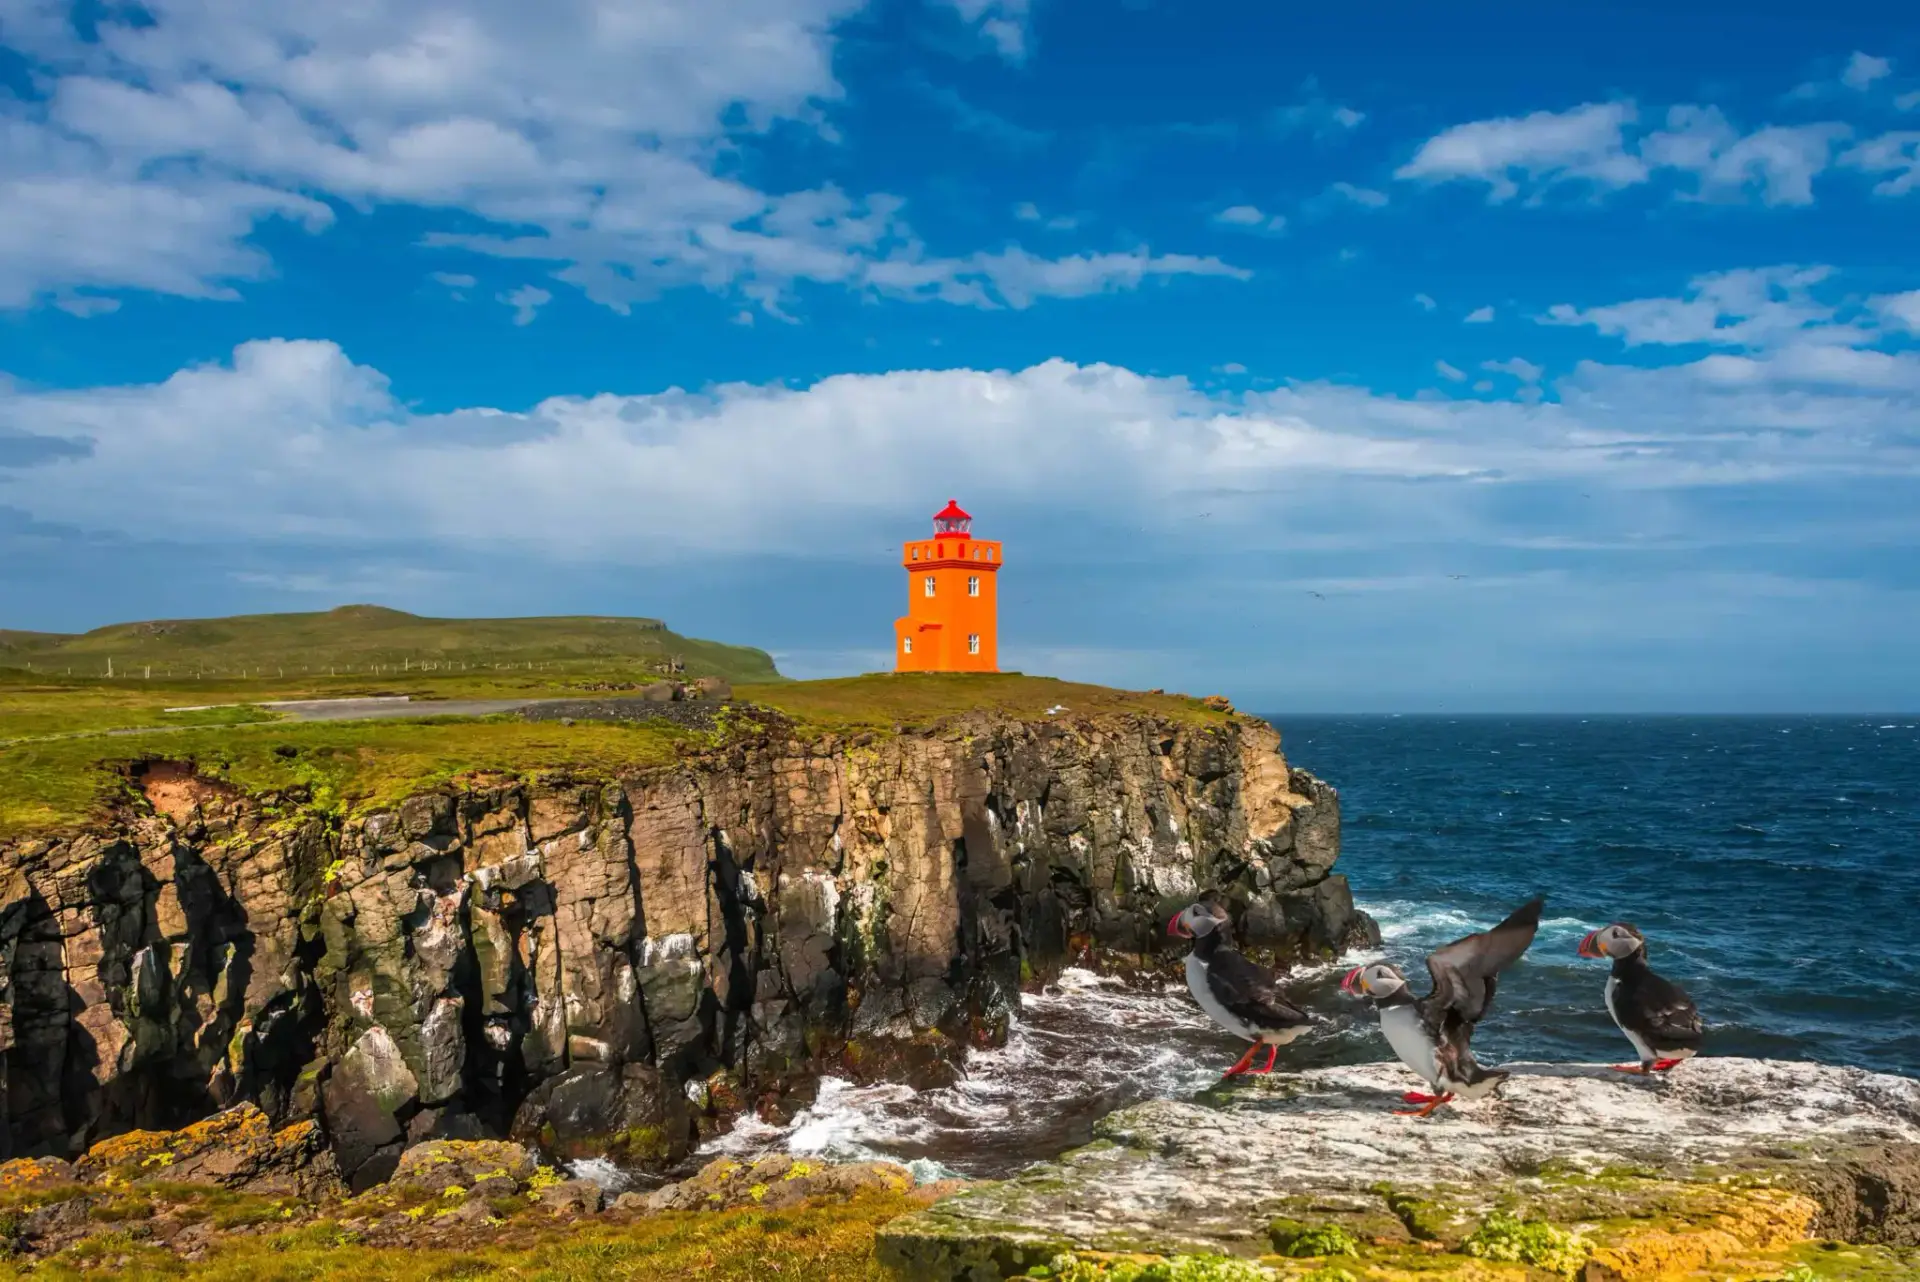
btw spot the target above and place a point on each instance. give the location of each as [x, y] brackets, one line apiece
[973, 585]
[927, 585]
[973, 643]
[907, 644]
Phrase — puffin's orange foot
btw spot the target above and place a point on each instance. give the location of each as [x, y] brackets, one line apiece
[1419, 1097]
[1426, 1110]
[1272, 1052]
[1629, 1068]
[1665, 1065]
[1244, 1063]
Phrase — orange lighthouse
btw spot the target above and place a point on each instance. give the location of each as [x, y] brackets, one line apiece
[952, 622]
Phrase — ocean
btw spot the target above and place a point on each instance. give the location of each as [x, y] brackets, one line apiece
[1773, 862]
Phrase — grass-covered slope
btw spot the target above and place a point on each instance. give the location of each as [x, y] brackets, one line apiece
[372, 640]
[65, 743]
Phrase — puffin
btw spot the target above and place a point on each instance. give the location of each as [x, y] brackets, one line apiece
[1241, 996]
[1655, 1013]
[1431, 1034]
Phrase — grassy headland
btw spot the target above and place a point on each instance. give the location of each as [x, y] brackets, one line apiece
[66, 741]
[357, 642]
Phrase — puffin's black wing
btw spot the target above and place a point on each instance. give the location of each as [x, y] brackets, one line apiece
[1667, 1017]
[1464, 971]
[1453, 1055]
[1250, 992]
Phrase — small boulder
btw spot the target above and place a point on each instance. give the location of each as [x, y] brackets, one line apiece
[573, 1197]
[236, 1149]
[660, 692]
[716, 688]
[1217, 703]
[776, 1181]
[26, 1173]
[490, 1167]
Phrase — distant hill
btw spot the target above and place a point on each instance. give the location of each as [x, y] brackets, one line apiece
[359, 638]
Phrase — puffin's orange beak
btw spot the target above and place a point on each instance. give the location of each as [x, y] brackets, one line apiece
[1587, 947]
[1175, 928]
[1352, 983]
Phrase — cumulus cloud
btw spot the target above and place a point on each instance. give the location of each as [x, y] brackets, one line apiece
[1862, 70]
[1603, 147]
[1315, 113]
[291, 440]
[1899, 310]
[594, 137]
[526, 302]
[1365, 197]
[1586, 143]
[1250, 217]
[1425, 302]
[1896, 154]
[1449, 372]
[1524, 370]
[1004, 24]
[1749, 308]
[1479, 316]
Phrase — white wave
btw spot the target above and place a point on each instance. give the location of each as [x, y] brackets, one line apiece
[599, 1170]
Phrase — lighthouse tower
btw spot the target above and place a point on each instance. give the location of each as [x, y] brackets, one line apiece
[952, 622]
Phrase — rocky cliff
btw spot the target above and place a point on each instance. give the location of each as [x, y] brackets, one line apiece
[620, 962]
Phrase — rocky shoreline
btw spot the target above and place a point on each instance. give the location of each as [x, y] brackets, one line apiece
[619, 966]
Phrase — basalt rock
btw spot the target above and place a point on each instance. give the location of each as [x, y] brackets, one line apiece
[623, 963]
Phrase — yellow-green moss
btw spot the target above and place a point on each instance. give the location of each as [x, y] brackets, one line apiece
[1301, 1241]
[1535, 1242]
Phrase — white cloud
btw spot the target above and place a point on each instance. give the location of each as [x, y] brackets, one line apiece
[526, 302]
[1900, 310]
[1586, 143]
[455, 280]
[1250, 217]
[291, 441]
[1524, 370]
[1449, 372]
[1425, 301]
[1001, 23]
[1365, 197]
[1863, 69]
[1896, 153]
[1780, 161]
[1028, 212]
[600, 138]
[1233, 367]
[1599, 145]
[1908, 101]
[1479, 316]
[1749, 308]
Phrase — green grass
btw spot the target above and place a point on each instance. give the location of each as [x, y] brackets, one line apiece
[59, 768]
[369, 640]
[53, 785]
[882, 701]
[821, 1243]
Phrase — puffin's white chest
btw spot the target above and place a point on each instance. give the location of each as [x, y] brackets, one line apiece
[1197, 985]
[1639, 1044]
[1408, 1037]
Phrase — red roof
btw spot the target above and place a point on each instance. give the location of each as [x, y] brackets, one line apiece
[951, 512]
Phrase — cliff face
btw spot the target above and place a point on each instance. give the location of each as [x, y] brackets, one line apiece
[619, 962]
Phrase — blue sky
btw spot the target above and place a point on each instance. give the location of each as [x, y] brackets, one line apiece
[1423, 357]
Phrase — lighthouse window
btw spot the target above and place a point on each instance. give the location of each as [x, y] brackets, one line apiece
[973, 585]
[906, 644]
[916, 554]
[929, 585]
[973, 643]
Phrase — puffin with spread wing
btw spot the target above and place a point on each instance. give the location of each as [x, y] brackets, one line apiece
[1655, 1013]
[1241, 996]
[1431, 1034]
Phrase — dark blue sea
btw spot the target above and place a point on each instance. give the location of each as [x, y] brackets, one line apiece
[1774, 864]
